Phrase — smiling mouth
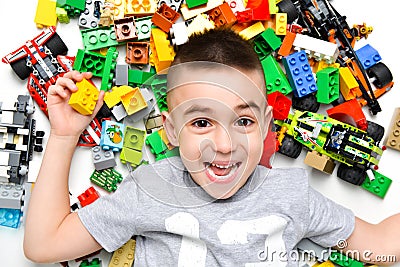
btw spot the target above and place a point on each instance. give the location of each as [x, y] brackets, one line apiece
[221, 173]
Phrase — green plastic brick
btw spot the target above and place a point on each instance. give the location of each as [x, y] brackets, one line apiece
[138, 77]
[134, 138]
[131, 156]
[275, 78]
[328, 85]
[79, 4]
[266, 42]
[343, 260]
[86, 61]
[168, 153]
[106, 179]
[156, 144]
[159, 87]
[194, 3]
[109, 67]
[97, 38]
[143, 26]
[379, 186]
[96, 262]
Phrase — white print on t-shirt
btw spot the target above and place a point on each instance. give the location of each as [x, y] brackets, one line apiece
[236, 232]
[193, 251]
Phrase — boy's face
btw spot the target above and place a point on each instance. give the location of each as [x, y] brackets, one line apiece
[219, 129]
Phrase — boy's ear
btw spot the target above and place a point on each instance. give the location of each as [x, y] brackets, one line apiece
[267, 120]
[169, 128]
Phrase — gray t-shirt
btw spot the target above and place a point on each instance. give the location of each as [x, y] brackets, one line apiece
[176, 223]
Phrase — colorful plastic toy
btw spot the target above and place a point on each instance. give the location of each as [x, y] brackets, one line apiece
[84, 100]
[112, 135]
[357, 150]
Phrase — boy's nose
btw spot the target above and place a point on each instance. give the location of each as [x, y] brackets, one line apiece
[224, 142]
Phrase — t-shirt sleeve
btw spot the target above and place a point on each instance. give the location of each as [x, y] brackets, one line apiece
[111, 218]
[329, 221]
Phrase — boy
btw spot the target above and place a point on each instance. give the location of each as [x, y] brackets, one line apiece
[212, 206]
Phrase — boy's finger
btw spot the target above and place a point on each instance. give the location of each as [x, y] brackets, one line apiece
[67, 83]
[74, 75]
[57, 90]
[99, 103]
[87, 75]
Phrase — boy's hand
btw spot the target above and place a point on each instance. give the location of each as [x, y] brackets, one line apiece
[64, 120]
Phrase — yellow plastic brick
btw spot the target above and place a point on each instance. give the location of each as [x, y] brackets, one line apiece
[46, 13]
[327, 263]
[320, 65]
[140, 7]
[163, 134]
[119, 8]
[252, 31]
[162, 51]
[133, 101]
[124, 256]
[280, 23]
[131, 156]
[273, 9]
[113, 97]
[348, 84]
[84, 100]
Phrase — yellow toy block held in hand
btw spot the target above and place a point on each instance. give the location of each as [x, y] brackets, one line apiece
[84, 100]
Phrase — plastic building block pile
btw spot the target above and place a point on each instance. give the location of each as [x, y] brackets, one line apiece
[306, 48]
[18, 140]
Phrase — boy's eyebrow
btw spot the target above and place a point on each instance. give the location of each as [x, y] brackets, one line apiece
[199, 109]
[203, 109]
[247, 105]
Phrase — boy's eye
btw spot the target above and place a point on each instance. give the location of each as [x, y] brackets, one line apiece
[244, 122]
[201, 123]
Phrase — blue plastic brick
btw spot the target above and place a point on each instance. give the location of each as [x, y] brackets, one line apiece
[368, 56]
[10, 217]
[300, 74]
[112, 135]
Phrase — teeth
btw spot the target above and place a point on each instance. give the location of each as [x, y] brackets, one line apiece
[222, 166]
[223, 177]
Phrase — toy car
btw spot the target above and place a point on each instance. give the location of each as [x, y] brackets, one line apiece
[357, 150]
[19, 139]
[43, 60]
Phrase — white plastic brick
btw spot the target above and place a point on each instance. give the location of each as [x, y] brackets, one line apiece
[7, 117]
[4, 158]
[316, 48]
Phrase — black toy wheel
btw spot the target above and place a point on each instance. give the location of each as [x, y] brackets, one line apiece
[306, 103]
[287, 6]
[375, 131]
[290, 147]
[351, 174]
[56, 45]
[21, 69]
[381, 73]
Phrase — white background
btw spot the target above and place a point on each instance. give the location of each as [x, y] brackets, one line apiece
[16, 18]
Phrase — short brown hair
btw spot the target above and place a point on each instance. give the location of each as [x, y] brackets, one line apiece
[220, 45]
